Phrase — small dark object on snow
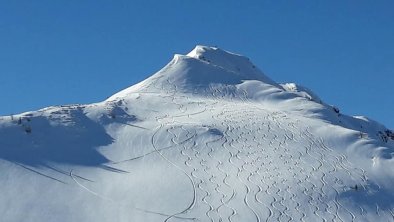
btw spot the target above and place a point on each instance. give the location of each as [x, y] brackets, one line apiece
[336, 110]
[386, 135]
[355, 187]
[390, 134]
[27, 129]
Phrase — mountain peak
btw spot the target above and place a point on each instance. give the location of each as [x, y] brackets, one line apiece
[237, 66]
[226, 60]
[203, 52]
[200, 70]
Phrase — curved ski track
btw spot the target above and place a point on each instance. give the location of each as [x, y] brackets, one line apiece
[265, 165]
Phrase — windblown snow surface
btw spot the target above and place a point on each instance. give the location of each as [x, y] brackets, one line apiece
[207, 138]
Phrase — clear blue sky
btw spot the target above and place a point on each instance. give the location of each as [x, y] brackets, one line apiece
[61, 52]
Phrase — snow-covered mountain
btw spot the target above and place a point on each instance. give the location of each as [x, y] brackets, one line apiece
[207, 138]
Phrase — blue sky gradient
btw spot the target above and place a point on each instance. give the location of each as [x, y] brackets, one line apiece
[61, 52]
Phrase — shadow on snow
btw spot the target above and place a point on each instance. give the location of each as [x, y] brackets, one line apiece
[74, 141]
[369, 196]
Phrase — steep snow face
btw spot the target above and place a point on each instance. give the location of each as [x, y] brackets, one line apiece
[198, 141]
[239, 65]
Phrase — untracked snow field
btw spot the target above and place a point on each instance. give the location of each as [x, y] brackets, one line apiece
[178, 147]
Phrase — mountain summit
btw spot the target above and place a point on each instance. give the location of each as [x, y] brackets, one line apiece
[207, 138]
[204, 69]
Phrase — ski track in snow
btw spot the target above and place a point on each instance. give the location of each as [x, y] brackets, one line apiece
[268, 189]
[256, 169]
[269, 181]
[240, 160]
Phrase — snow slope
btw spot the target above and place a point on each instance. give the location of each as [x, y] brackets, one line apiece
[207, 138]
